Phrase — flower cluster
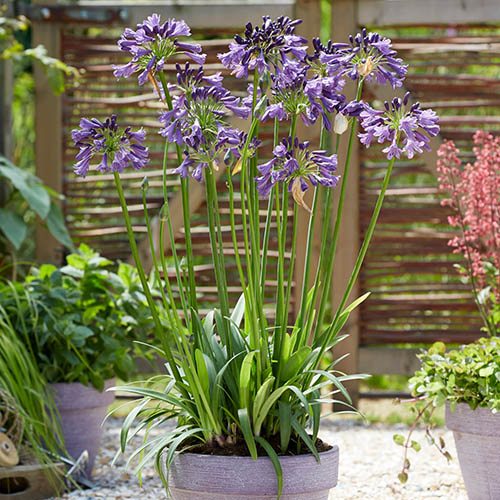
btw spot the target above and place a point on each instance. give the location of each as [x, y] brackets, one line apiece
[400, 125]
[119, 147]
[264, 47]
[189, 79]
[474, 197]
[368, 55]
[294, 164]
[197, 121]
[152, 44]
[294, 93]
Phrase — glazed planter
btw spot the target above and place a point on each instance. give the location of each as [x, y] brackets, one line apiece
[211, 477]
[477, 439]
[82, 410]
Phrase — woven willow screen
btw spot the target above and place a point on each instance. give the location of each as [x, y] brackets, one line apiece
[417, 294]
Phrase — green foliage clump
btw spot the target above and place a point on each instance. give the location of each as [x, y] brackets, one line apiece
[56, 71]
[27, 197]
[469, 374]
[80, 321]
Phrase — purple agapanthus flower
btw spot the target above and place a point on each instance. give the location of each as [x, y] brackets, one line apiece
[152, 44]
[119, 147]
[294, 164]
[401, 126]
[368, 55]
[293, 93]
[197, 121]
[188, 79]
[264, 47]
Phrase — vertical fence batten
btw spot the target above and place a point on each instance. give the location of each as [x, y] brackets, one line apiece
[48, 132]
[344, 23]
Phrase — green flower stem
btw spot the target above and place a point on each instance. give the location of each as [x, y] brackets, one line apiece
[145, 285]
[193, 302]
[154, 258]
[269, 217]
[217, 255]
[254, 208]
[291, 267]
[281, 223]
[165, 216]
[253, 162]
[364, 248]
[164, 266]
[234, 238]
[320, 272]
[310, 230]
[280, 295]
[338, 218]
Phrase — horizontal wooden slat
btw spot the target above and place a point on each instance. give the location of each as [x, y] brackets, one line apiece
[385, 360]
[423, 12]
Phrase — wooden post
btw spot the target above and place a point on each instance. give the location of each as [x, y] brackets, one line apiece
[6, 79]
[344, 22]
[6, 108]
[310, 13]
[48, 129]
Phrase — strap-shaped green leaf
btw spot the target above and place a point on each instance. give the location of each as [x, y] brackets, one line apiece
[262, 394]
[246, 428]
[245, 378]
[295, 363]
[275, 461]
[259, 419]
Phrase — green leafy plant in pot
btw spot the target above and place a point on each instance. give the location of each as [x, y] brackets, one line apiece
[80, 322]
[241, 380]
[467, 379]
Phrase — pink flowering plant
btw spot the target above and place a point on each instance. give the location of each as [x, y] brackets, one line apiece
[238, 377]
[473, 194]
[471, 373]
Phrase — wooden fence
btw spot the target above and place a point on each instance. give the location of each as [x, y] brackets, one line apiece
[416, 296]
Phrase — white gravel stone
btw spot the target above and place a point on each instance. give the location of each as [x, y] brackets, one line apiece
[369, 464]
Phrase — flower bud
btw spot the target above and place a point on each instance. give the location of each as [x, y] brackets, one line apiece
[341, 123]
[366, 67]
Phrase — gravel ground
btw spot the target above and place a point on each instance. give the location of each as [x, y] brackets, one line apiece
[369, 463]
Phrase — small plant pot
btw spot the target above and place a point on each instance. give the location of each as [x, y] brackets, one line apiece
[82, 410]
[210, 477]
[477, 439]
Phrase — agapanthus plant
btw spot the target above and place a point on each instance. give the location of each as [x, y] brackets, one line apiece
[294, 92]
[401, 125]
[368, 56]
[298, 167]
[265, 48]
[239, 376]
[152, 44]
[473, 194]
[116, 148]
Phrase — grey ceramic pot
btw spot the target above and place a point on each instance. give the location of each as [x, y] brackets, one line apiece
[477, 439]
[82, 410]
[208, 477]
